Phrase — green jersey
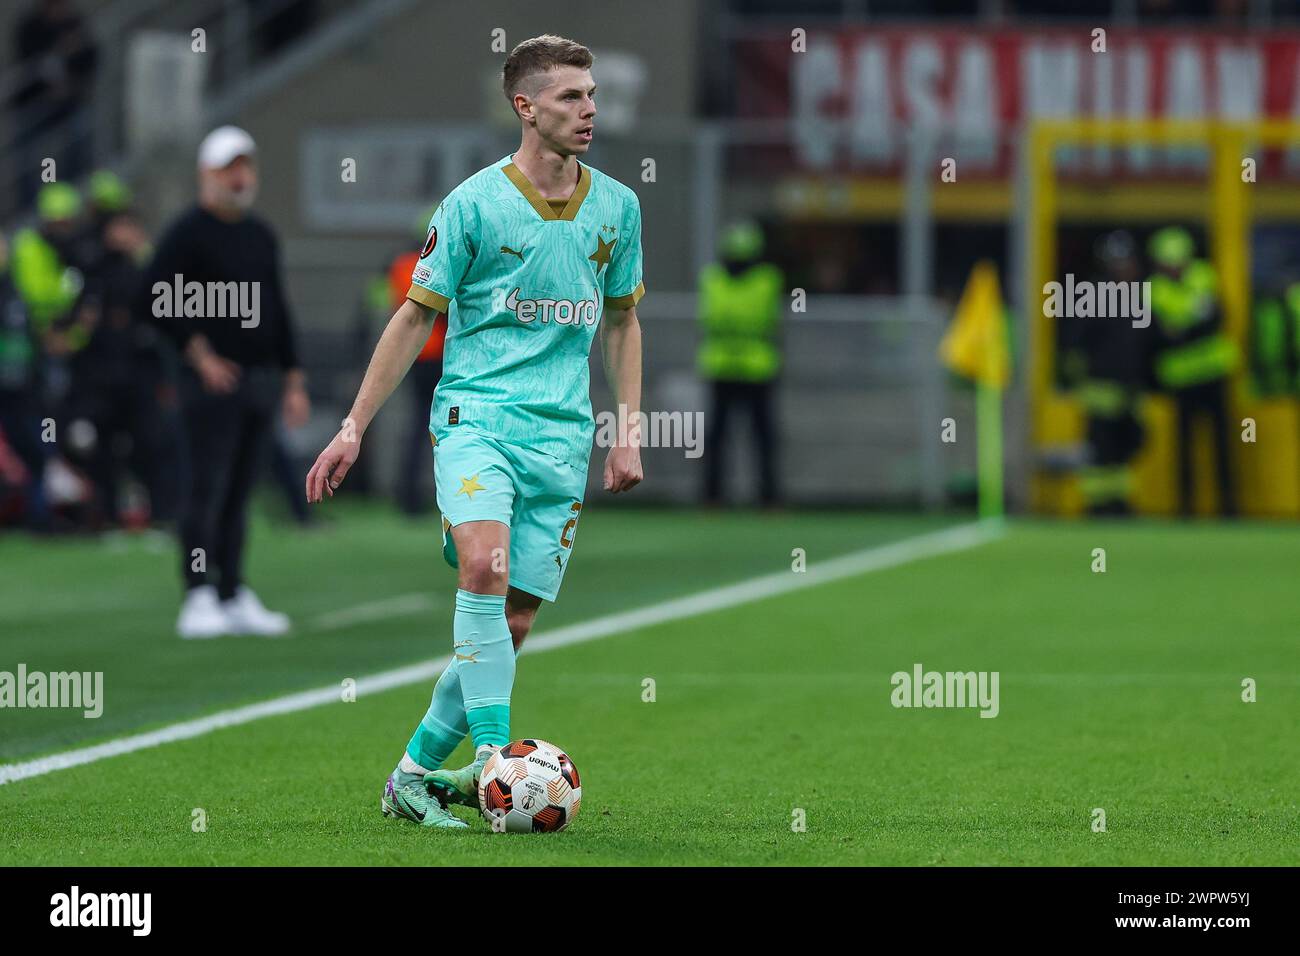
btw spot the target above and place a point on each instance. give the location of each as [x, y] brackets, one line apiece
[524, 286]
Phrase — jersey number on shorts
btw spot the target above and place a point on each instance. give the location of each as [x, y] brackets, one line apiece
[566, 536]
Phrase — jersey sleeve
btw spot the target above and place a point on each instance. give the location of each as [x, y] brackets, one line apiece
[623, 280]
[446, 255]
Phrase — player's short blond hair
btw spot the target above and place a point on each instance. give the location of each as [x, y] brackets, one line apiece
[539, 55]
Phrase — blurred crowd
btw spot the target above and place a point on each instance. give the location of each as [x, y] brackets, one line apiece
[91, 426]
[88, 412]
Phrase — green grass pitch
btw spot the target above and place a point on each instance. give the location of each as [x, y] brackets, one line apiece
[1120, 691]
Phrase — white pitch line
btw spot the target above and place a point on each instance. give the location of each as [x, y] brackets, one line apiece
[399, 606]
[879, 558]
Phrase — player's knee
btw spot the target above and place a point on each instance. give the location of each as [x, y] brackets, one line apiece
[482, 574]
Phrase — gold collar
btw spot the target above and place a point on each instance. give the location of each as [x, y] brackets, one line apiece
[529, 191]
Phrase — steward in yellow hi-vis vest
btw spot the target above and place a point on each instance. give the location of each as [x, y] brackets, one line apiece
[1275, 340]
[45, 272]
[1194, 358]
[741, 303]
[1104, 365]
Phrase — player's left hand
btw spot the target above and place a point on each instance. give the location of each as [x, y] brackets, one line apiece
[623, 468]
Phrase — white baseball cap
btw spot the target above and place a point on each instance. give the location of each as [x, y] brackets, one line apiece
[223, 146]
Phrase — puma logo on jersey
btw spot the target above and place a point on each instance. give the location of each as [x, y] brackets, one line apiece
[513, 252]
[559, 311]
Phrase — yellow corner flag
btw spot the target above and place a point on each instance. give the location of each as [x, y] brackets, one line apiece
[975, 344]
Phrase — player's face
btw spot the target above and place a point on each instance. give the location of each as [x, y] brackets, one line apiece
[566, 110]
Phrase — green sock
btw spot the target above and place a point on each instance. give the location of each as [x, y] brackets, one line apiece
[489, 725]
[485, 659]
[444, 725]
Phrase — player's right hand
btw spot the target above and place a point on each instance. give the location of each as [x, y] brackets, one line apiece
[332, 465]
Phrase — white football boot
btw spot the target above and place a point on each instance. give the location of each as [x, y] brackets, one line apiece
[247, 615]
[201, 615]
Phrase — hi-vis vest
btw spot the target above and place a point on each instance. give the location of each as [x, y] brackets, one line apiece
[1275, 358]
[48, 288]
[1197, 351]
[740, 315]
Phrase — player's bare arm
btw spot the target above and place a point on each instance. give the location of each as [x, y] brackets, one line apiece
[403, 337]
[620, 347]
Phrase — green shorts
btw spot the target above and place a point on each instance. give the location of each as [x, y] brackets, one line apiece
[538, 496]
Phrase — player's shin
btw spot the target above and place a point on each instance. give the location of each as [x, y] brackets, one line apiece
[443, 726]
[485, 660]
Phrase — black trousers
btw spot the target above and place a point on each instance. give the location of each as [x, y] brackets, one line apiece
[225, 435]
[123, 413]
[20, 420]
[1112, 440]
[1210, 400]
[753, 400]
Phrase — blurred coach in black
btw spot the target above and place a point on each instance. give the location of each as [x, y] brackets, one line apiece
[214, 287]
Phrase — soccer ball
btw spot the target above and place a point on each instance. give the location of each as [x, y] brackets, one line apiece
[529, 786]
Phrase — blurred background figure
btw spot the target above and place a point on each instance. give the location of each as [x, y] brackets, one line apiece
[48, 273]
[741, 304]
[1275, 333]
[119, 400]
[108, 195]
[48, 260]
[1107, 371]
[235, 378]
[1193, 355]
[22, 452]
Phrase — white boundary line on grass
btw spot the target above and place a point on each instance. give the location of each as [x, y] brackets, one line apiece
[878, 558]
[381, 610]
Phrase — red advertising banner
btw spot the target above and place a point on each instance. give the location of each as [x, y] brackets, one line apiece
[978, 86]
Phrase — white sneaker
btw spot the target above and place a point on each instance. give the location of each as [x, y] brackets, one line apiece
[201, 615]
[247, 615]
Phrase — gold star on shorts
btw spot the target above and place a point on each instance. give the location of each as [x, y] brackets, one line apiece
[468, 486]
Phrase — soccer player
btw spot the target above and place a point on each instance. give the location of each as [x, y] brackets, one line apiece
[523, 258]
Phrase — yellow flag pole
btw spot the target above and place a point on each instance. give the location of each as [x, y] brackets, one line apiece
[975, 346]
[988, 428]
